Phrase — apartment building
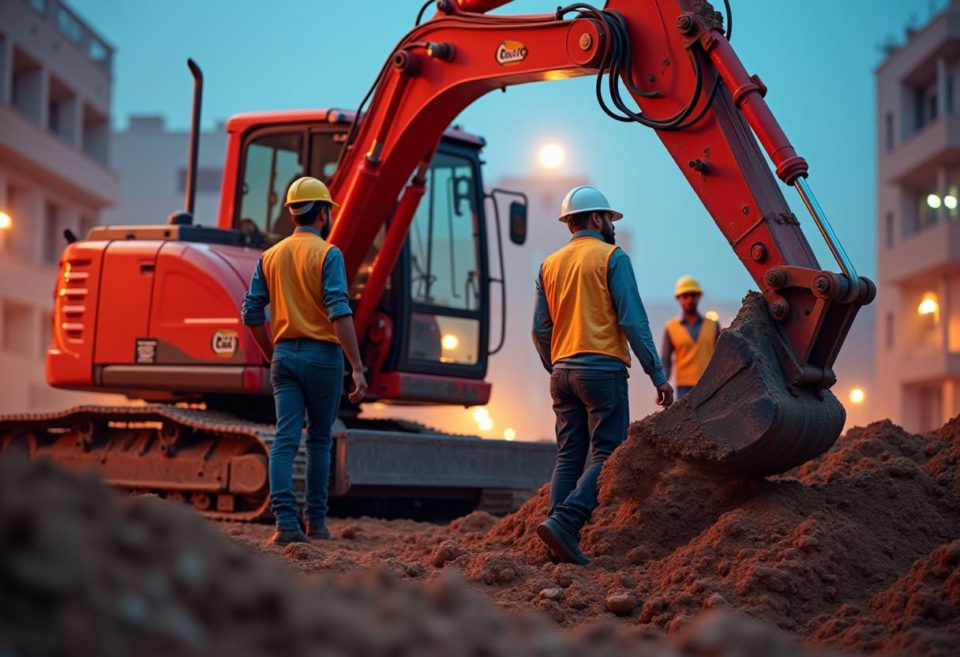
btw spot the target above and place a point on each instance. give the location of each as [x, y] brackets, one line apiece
[918, 243]
[55, 84]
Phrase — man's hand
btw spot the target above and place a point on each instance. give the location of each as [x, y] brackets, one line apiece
[263, 340]
[359, 387]
[664, 394]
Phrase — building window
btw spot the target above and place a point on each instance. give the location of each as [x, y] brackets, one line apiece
[51, 232]
[96, 131]
[888, 331]
[888, 229]
[27, 85]
[924, 105]
[888, 129]
[17, 329]
[208, 179]
[62, 111]
[69, 26]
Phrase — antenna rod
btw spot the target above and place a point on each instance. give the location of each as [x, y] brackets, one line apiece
[191, 192]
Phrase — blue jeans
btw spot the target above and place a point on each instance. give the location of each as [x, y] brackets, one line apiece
[593, 412]
[683, 391]
[307, 377]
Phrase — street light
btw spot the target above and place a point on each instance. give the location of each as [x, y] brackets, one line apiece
[933, 201]
[929, 305]
[857, 395]
[712, 315]
[551, 156]
[6, 223]
[509, 433]
[450, 342]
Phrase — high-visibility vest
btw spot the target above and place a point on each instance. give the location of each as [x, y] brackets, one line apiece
[293, 269]
[692, 357]
[578, 296]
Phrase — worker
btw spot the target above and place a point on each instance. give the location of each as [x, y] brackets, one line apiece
[588, 310]
[690, 338]
[303, 280]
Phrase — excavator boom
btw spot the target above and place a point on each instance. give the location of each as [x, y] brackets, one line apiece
[672, 58]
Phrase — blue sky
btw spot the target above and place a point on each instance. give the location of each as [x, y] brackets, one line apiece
[816, 58]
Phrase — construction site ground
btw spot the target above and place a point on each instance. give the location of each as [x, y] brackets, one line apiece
[858, 551]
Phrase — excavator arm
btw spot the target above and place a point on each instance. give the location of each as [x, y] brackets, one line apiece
[673, 60]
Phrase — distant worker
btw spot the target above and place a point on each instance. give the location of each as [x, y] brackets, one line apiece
[690, 338]
[303, 279]
[587, 310]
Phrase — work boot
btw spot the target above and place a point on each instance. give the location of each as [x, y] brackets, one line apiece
[561, 542]
[285, 537]
[318, 533]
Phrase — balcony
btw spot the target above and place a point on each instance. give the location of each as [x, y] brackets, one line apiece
[917, 159]
[29, 147]
[931, 251]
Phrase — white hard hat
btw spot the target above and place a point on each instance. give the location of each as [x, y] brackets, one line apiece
[586, 199]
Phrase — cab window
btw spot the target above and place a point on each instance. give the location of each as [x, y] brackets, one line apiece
[271, 163]
[445, 276]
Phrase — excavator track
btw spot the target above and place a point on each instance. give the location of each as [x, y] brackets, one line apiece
[214, 461]
[218, 463]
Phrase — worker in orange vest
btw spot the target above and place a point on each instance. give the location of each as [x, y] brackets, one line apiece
[588, 316]
[690, 338]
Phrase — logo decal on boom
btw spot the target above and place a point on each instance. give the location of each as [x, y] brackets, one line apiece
[225, 342]
[511, 52]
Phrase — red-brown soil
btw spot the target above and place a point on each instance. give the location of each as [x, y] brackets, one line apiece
[857, 550]
[88, 571]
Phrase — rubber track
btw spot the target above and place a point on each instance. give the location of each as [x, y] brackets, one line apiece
[212, 422]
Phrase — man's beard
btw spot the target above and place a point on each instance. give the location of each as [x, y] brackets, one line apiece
[609, 236]
[325, 231]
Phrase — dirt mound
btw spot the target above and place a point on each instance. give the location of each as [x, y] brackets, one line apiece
[805, 551]
[85, 571]
[919, 614]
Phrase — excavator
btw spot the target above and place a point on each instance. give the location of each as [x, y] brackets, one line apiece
[153, 312]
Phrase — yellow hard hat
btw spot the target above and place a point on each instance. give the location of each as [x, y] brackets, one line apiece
[308, 189]
[686, 285]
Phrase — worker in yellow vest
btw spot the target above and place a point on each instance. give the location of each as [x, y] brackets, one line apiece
[690, 338]
[588, 316]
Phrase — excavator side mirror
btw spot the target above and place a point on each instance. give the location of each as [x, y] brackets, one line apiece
[518, 222]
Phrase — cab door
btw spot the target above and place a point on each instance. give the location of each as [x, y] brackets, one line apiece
[443, 306]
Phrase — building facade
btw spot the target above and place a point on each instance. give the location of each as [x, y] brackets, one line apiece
[918, 235]
[55, 84]
[153, 163]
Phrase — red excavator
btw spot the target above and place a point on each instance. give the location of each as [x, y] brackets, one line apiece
[153, 312]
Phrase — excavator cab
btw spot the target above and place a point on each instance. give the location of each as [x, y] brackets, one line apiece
[437, 300]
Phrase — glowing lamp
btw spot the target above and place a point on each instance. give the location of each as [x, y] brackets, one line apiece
[485, 424]
[712, 315]
[509, 433]
[480, 413]
[5, 221]
[933, 201]
[551, 156]
[450, 342]
[929, 305]
[857, 395]
[950, 202]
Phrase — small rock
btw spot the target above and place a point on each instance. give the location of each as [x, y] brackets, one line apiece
[553, 593]
[715, 601]
[350, 532]
[638, 555]
[621, 603]
[302, 551]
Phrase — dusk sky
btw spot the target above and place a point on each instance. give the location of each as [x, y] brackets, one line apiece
[816, 57]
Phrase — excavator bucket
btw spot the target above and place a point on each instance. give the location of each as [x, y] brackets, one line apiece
[744, 416]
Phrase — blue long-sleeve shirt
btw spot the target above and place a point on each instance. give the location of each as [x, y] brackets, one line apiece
[335, 297]
[631, 316]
